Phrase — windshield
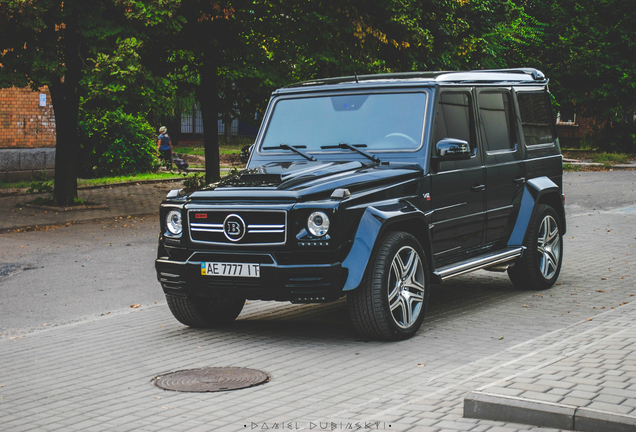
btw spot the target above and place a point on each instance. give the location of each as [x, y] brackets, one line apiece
[379, 121]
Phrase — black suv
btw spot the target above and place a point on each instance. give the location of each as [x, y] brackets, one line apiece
[374, 187]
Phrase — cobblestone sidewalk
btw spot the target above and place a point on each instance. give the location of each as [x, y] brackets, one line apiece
[573, 343]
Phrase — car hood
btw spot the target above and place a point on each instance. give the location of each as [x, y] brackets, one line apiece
[298, 178]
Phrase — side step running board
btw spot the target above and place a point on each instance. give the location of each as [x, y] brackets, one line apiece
[477, 263]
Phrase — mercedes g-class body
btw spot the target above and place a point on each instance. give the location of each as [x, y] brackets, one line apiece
[374, 187]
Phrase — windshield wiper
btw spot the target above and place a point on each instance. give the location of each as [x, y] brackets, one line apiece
[355, 149]
[294, 149]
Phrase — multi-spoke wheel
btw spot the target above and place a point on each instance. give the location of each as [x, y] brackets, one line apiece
[391, 302]
[540, 264]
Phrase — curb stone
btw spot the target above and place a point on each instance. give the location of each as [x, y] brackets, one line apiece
[511, 409]
[65, 209]
[591, 420]
[487, 406]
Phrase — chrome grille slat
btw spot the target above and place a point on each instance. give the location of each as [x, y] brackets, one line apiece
[266, 226]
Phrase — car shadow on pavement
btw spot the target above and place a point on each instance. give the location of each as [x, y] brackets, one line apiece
[462, 297]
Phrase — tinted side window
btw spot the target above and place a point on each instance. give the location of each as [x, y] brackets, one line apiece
[535, 118]
[494, 111]
[452, 118]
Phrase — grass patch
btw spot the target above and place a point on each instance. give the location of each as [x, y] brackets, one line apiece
[127, 179]
[99, 181]
[607, 159]
[235, 147]
[568, 167]
[15, 185]
[610, 158]
[200, 151]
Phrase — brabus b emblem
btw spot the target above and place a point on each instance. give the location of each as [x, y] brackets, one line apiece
[234, 227]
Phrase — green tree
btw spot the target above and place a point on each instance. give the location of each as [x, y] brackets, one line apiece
[587, 51]
[51, 42]
[240, 50]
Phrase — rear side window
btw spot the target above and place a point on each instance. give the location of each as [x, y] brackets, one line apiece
[494, 110]
[535, 118]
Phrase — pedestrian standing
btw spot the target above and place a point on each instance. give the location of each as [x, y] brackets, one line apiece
[164, 147]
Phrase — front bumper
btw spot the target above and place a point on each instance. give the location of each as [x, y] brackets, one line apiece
[298, 283]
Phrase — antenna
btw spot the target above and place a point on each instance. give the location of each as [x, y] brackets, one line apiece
[356, 75]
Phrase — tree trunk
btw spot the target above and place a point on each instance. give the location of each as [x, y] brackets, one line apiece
[208, 96]
[65, 97]
[228, 131]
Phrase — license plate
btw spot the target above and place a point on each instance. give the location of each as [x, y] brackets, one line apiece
[230, 269]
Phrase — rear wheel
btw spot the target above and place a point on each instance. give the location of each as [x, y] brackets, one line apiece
[391, 301]
[540, 265]
[200, 312]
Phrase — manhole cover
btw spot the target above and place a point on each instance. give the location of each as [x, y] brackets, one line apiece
[212, 379]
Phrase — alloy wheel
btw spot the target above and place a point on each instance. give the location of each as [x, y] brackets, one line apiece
[406, 287]
[549, 247]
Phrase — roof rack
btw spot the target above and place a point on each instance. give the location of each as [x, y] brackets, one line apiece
[519, 75]
[537, 75]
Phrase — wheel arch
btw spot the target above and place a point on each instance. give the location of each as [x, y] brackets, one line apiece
[375, 224]
[537, 191]
[555, 200]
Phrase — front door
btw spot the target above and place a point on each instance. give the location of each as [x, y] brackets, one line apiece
[457, 187]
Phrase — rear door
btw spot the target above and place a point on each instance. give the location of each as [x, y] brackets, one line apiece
[503, 160]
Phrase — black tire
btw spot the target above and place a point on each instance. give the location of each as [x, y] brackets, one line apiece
[385, 306]
[203, 312]
[540, 265]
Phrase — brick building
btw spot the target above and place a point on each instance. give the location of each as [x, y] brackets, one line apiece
[27, 133]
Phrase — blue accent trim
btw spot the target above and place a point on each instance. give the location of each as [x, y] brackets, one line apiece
[356, 261]
[533, 191]
[373, 222]
[525, 213]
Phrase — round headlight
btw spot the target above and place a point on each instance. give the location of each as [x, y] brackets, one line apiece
[318, 224]
[173, 222]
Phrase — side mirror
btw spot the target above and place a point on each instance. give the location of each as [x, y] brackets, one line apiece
[449, 149]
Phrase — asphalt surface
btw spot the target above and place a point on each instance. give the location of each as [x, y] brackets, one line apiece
[75, 356]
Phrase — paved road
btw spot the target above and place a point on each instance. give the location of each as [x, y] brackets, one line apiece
[76, 272]
[94, 372]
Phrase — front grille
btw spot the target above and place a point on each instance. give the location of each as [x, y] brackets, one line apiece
[240, 227]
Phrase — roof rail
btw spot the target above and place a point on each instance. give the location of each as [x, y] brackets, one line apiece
[537, 75]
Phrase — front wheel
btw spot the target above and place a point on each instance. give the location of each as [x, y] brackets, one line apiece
[540, 265]
[391, 301]
[203, 312]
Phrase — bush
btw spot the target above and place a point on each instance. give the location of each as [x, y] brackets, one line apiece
[613, 137]
[115, 143]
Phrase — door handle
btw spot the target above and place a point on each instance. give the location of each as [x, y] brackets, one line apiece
[478, 188]
[519, 180]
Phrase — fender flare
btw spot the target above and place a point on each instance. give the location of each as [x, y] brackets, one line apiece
[374, 223]
[535, 189]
